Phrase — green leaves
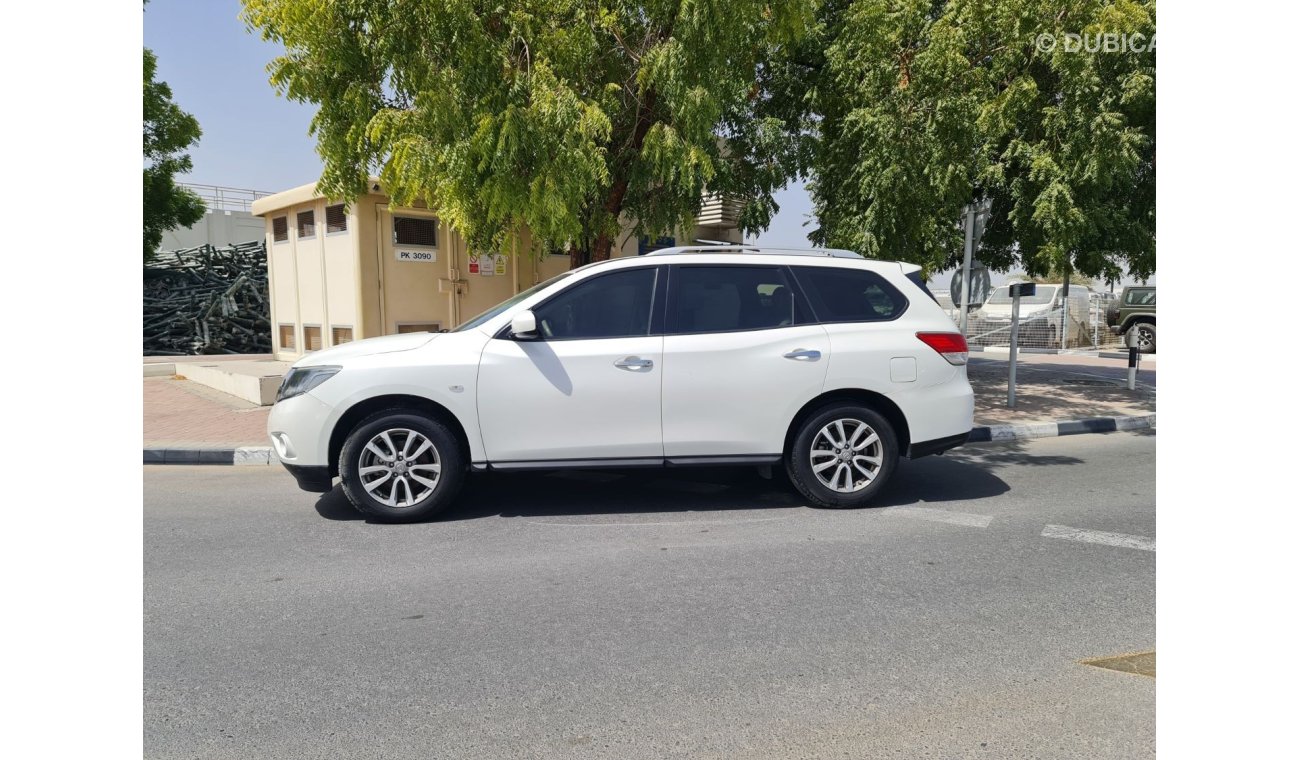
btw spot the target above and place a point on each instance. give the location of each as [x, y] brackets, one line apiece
[168, 132]
[559, 116]
[926, 106]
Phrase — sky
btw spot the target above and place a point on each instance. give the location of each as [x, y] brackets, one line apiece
[256, 140]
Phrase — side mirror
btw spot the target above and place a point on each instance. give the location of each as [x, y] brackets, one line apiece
[524, 326]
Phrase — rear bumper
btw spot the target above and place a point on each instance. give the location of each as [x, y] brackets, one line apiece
[936, 446]
[311, 478]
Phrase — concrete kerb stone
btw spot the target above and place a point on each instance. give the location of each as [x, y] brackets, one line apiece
[265, 455]
[1028, 431]
[239, 456]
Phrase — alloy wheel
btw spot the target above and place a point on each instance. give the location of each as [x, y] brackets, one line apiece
[846, 455]
[400, 468]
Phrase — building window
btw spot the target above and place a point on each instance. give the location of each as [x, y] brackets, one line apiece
[311, 337]
[306, 224]
[415, 230]
[340, 335]
[287, 341]
[336, 219]
[418, 327]
[280, 229]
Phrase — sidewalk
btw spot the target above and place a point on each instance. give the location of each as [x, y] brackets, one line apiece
[179, 414]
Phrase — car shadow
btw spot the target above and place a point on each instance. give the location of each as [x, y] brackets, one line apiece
[968, 476]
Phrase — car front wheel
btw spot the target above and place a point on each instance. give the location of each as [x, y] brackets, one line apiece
[401, 466]
[842, 456]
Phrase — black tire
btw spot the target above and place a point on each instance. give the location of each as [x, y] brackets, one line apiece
[1146, 338]
[799, 465]
[446, 452]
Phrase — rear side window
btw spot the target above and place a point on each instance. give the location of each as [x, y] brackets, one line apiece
[850, 295]
[708, 299]
[615, 305]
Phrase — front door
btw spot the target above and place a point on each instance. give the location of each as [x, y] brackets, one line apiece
[588, 388]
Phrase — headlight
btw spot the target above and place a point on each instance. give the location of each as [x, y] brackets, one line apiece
[302, 379]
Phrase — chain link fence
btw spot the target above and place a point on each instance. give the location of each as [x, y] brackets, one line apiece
[1050, 319]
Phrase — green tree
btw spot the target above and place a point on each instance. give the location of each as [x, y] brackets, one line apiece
[168, 132]
[925, 105]
[561, 116]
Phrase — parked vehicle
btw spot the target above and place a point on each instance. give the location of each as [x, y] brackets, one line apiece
[1136, 307]
[1040, 315]
[829, 363]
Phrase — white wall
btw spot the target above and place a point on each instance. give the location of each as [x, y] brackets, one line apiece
[218, 227]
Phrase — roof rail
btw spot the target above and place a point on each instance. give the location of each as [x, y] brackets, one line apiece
[838, 253]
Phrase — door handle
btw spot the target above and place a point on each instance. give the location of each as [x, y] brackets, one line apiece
[633, 363]
[804, 355]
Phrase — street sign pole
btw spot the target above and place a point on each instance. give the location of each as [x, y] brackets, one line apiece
[1017, 290]
[965, 266]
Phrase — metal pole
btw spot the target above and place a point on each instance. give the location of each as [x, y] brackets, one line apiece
[1015, 336]
[1065, 307]
[965, 266]
[1132, 359]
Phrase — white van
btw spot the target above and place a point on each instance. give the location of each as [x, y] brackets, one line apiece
[1040, 316]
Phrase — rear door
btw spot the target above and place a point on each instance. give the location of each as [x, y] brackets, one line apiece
[741, 355]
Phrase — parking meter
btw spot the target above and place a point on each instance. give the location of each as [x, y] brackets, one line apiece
[1018, 290]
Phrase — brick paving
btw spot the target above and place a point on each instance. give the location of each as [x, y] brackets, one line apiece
[184, 414]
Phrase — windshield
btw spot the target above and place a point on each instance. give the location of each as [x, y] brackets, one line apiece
[1042, 295]
[506, 304]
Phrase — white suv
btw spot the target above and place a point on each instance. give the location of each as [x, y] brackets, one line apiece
[833, 364]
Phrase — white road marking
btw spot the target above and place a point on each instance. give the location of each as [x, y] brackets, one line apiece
[1100, 537]
[944, 516]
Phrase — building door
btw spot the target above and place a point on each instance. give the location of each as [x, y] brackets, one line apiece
[416, 268]
[487, 279]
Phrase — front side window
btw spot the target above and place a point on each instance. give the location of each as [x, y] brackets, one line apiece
[614, 305]
[850, 295]
[727, 298]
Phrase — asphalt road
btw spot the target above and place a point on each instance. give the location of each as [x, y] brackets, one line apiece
[701, 614]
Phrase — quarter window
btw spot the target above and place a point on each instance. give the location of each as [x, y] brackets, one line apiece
[725, 298]
[850, 295]
[614, 305]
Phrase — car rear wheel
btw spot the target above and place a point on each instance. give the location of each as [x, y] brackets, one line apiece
[842, 456]
[401, 466]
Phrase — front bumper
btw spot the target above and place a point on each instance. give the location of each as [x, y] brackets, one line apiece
[316, 479]
[299, 429]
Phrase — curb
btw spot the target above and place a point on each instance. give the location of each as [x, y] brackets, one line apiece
[264, 455]
[242, 455]
[997, 433]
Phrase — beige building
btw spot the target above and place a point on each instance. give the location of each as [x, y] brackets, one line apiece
[342, 272]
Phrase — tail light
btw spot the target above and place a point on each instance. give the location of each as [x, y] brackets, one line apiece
[951, 346]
